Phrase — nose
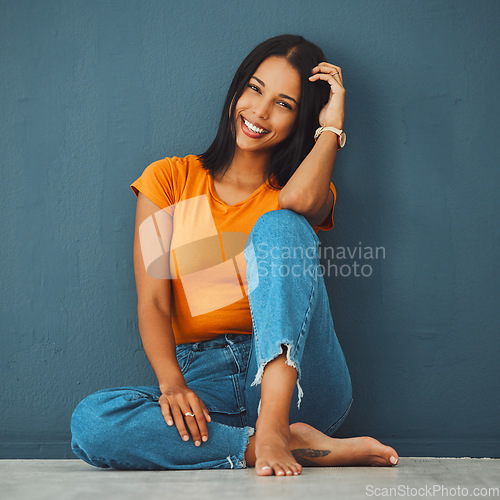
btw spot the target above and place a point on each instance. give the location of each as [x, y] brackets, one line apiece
[261, 109]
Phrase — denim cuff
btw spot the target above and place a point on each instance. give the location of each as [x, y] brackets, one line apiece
[239, 462]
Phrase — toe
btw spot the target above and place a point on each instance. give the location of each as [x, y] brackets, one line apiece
[380, 462]
[278, 470]
[392, 456]
[264, 470]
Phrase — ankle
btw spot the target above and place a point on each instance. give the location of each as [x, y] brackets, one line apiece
[250, 452]
[277, 422]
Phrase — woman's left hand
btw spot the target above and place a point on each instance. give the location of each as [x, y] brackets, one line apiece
[332, 114]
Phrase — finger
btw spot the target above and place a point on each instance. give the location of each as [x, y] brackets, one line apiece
[329, 68]
[328, 65]
[208, 418]
[339, 75]
[333, 72]
[192, 425]
[165, 410]
[200, 420]
[322, 69]
[179, 423]
[322, 76]
[327, 77]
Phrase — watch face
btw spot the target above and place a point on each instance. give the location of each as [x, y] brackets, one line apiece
[342, 139]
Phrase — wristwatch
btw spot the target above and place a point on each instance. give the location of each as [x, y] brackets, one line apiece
[341, 139]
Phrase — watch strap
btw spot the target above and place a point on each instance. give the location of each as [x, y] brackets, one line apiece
[320, 130]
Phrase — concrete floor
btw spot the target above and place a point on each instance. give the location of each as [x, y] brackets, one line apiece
[412, 478]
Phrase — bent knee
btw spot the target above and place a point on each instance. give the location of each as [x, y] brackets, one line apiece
[286, 224]
[92, 422]
[280, 217]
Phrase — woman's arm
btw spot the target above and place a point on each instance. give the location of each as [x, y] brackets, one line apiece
[308, 189]
[155, 326]
[153, 301]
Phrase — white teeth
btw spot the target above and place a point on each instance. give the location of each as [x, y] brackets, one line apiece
[253, 128]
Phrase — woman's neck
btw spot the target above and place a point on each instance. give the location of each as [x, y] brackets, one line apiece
[247, 169]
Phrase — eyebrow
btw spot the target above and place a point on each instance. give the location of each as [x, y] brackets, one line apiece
[281, 95]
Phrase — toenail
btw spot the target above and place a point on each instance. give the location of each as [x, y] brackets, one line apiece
[394, 460]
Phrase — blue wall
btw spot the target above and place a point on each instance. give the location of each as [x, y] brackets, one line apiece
[93, 91]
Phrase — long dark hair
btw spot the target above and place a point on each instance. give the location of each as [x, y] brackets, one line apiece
[288, 155]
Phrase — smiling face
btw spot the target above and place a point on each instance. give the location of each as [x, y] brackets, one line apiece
[266, 111]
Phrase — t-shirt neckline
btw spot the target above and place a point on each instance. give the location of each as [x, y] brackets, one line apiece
[216, 197]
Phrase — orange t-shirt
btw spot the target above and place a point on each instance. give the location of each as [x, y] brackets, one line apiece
[206, 263]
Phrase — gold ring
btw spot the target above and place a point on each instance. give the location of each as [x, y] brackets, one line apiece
[189, 414]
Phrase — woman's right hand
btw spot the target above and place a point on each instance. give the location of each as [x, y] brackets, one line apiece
[177, 400]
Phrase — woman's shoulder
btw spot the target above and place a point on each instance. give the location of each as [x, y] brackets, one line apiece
[188, 159]
[182, 164]
[176, 166]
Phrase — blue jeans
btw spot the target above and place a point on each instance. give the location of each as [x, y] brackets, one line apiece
[123, 427]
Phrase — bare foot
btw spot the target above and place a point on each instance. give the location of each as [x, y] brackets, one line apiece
[272, 451]
[311, 447]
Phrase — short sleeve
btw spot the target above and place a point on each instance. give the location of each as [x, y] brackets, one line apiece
[157, 183]
[327, 224]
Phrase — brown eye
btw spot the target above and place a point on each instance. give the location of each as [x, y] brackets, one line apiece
[285, 105]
